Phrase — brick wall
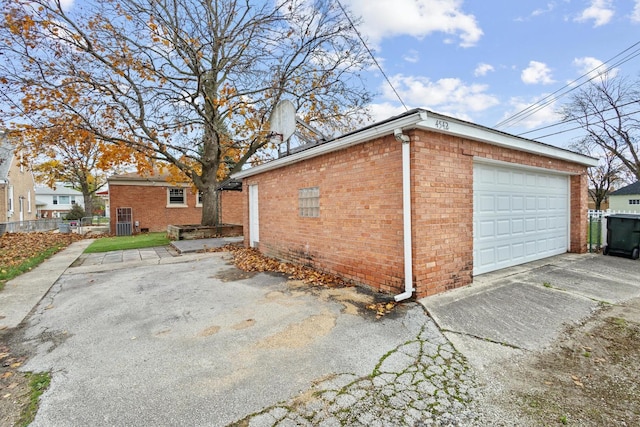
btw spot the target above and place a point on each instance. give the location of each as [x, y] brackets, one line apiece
[231, 202]
[359, 232]
[442, 181]
[149, 206]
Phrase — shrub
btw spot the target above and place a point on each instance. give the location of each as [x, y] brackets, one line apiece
[76, 212]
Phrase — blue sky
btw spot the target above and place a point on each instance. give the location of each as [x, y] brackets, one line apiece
[483, 61]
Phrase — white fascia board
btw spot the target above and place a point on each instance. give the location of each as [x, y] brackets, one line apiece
[426, 120]
[358, 137]
[447, 125]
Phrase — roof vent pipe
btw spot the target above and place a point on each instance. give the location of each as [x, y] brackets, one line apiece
[406, 214]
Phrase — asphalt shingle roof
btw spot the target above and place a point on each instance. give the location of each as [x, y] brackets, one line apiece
[629, 189]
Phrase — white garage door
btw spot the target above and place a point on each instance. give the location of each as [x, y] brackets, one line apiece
[519, 215]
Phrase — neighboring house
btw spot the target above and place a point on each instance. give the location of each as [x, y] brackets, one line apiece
[626, 199]
[418, 204]
[104, 196]
[17, 186]
[57, 202]
[150, 203]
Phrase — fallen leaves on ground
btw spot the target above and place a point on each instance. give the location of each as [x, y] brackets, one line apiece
[15, 248]
[249, 259]
[382, 308]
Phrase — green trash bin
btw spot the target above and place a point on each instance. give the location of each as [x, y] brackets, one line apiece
[623, 235]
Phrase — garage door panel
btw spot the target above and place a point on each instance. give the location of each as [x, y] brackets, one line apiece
[517, 226]
[542, 203]
[503, 203]
[519, 216]
[542, 224]
[486, 204]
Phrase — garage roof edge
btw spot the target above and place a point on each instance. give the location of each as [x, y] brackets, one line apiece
[426, 120]
[443, 124]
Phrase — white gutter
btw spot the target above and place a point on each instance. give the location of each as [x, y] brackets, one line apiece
[406, 214]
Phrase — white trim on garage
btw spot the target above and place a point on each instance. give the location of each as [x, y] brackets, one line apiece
[520, 214]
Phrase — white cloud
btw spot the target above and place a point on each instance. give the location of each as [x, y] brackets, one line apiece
[635, 15]
[417, 18]
[66, 4]
[539, 118]
[538, 12]
[482, 69]
[536, 73]
[593, 67]
[412, 56]
[384, 111]
[600, 12]
[450, 95]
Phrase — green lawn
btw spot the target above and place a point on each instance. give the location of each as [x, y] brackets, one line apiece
[119, 243]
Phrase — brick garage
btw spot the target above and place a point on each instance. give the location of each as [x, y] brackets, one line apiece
[151, 204]
[359, 231]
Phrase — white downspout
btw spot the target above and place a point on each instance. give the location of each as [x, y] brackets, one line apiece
[406, 215]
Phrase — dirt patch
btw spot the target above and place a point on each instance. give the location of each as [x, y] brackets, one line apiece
[212, 330]
[589, 377]
[233, 274]
[14, 385]
[244, 324]
[301, 334]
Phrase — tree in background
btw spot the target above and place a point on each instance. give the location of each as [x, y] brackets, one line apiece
[607, 110]
[76, 212]
[185, 83]
[59, 152]
[602, 178]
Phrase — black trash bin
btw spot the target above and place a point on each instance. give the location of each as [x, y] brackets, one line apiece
[623, 235]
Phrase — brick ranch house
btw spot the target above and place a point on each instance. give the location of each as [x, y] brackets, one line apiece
[150, 203]
[418, 204]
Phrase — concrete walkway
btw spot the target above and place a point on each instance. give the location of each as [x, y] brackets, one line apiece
[23, 293]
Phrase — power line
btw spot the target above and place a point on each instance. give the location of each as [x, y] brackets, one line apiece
[549, 99]
[574, 120]
[580, 127]
[371, 54]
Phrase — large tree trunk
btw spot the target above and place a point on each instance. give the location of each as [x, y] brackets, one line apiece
[88, 204]
[210, 204]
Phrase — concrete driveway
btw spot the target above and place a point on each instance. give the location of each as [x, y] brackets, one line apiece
[192, 340]
[525, 308]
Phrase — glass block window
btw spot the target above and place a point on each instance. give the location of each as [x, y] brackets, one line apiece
[309, 202]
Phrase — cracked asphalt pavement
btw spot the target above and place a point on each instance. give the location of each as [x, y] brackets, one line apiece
[194, 341]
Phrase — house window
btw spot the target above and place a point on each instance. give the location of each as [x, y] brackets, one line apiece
[634, 201]
[55, 200]
[63, 200]
[177, 197]
[199, 199]
[309, 202]
[10, 201]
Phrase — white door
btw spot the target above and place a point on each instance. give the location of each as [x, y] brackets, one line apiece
[254, 224]
[519, 215]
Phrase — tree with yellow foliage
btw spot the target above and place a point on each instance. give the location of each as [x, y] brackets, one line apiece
[185, 84]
